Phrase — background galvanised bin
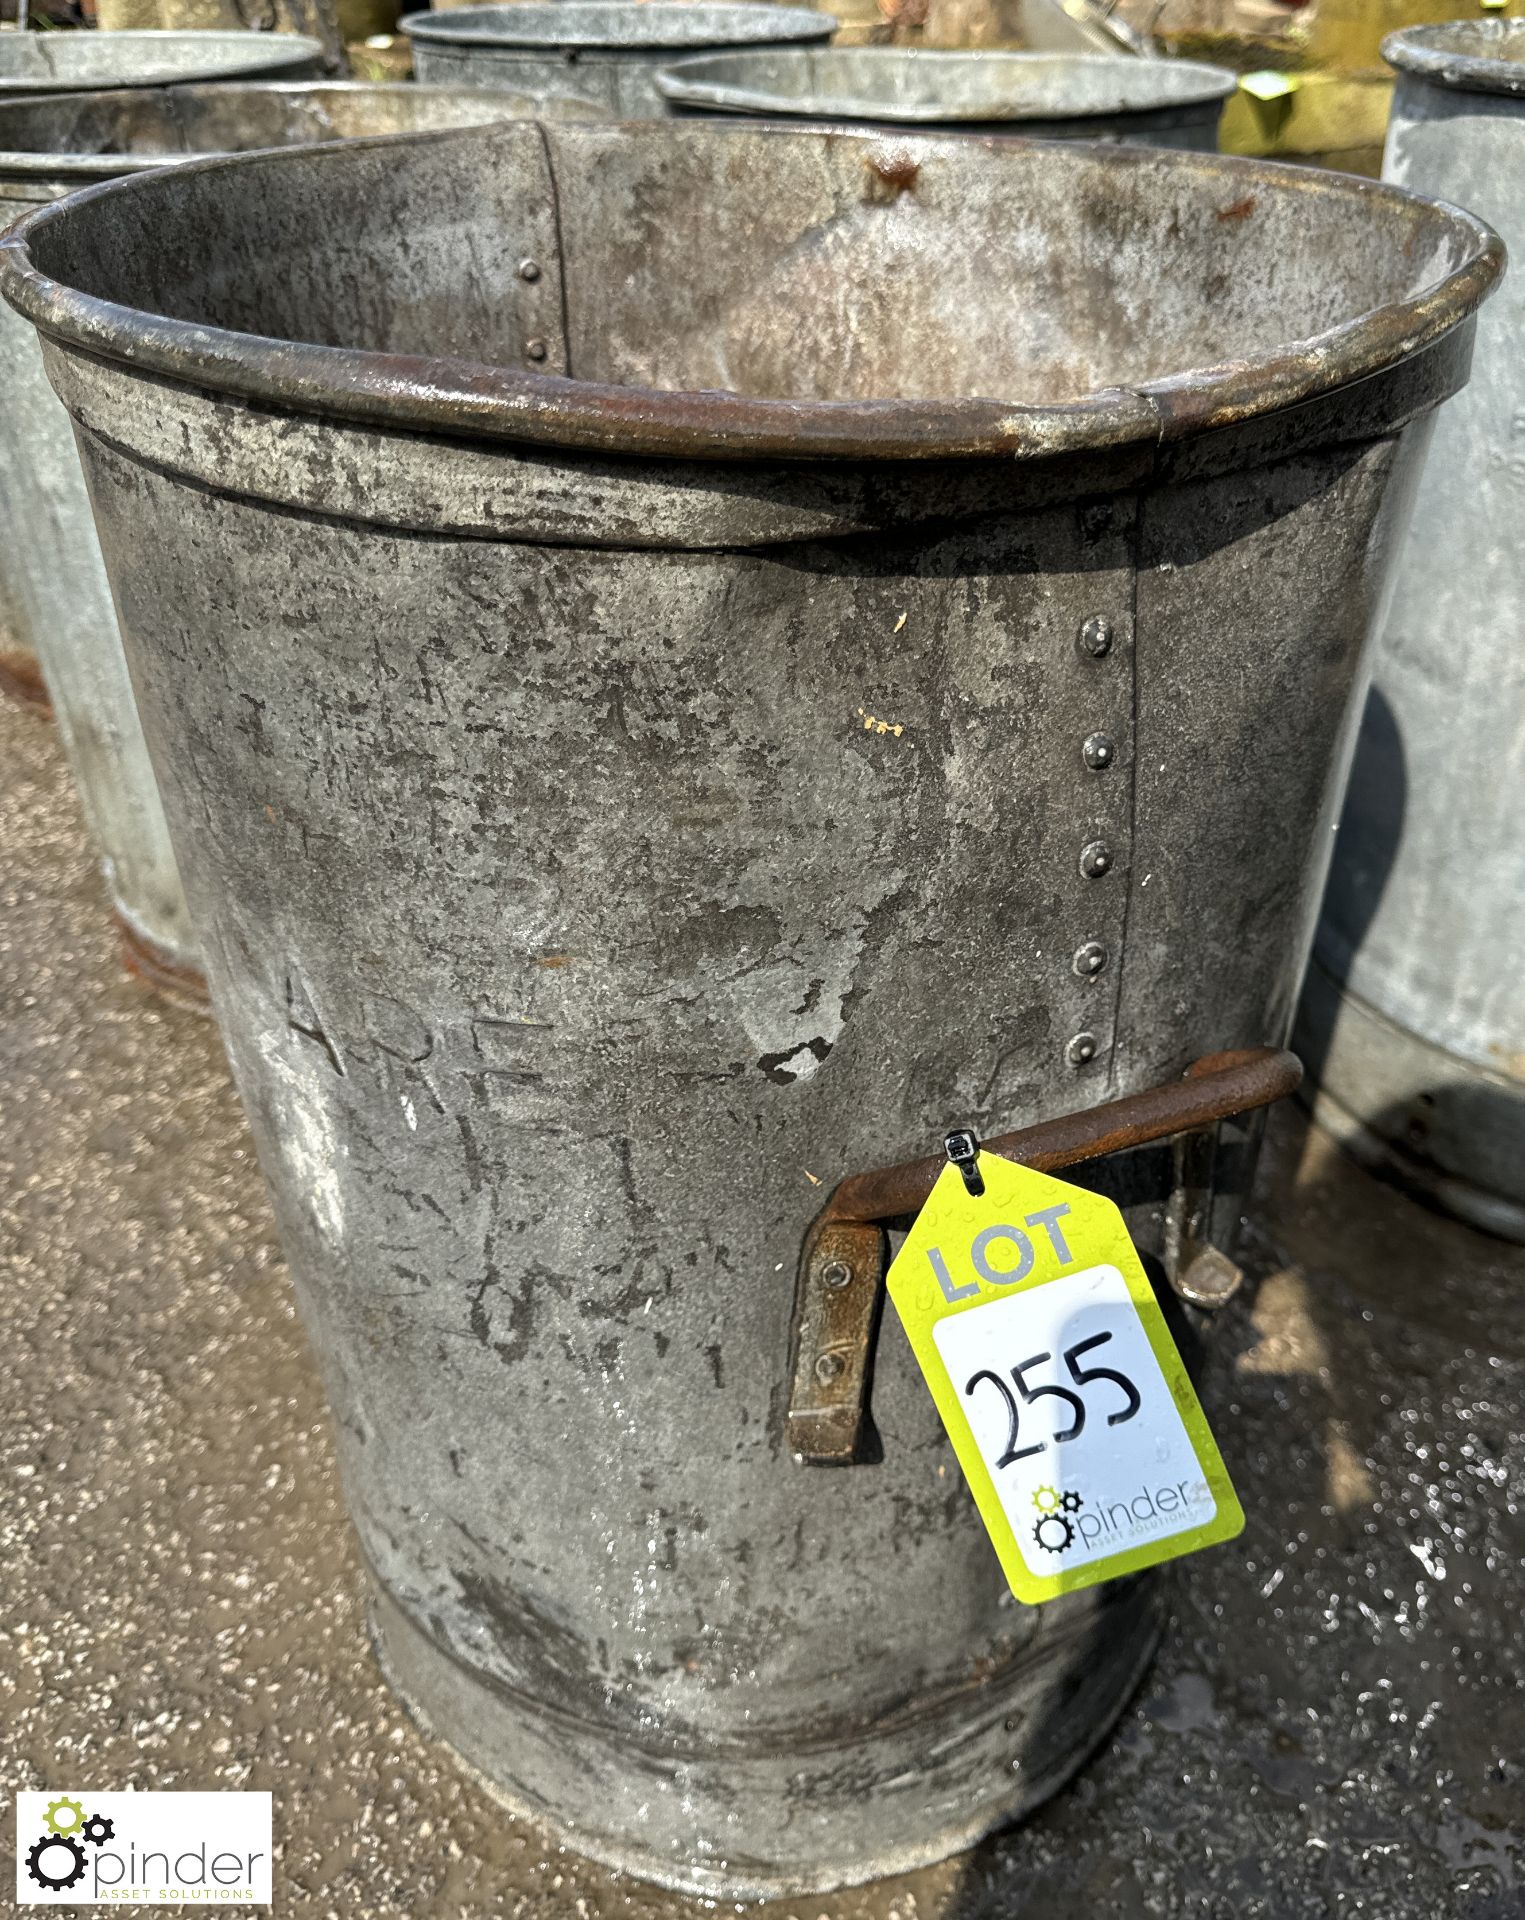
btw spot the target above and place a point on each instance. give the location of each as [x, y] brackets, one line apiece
[645, 739]
[50, 563]
[32, 63]
[605, 52]
[1414, 1013]
[333, 22]
[1047, 96]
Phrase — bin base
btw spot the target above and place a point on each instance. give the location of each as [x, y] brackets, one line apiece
[21, 680]
[789, 1818]
[145, 960]
[1446, 1130]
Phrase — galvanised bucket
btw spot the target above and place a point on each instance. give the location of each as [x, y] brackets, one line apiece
[606, 53]
[50, 563]
[1047, 96]
[671, 691]
[328, 21]
[33, 63]
[1414, 1013]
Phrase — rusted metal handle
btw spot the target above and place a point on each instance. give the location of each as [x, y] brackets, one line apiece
[843, 1259]
[1212, 1089]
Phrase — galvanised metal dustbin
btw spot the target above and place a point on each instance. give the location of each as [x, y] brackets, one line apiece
[667, 696]
[1047, 96]
[1414, 1013]
[20, 676]
[50, 564]
[604, 52]
[33, 63]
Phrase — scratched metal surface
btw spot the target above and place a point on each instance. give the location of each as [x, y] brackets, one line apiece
[1331, 1726]
[592, 853]
[1415, 1018]
[55, 600]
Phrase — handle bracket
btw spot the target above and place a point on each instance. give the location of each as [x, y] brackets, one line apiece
[842, 1261]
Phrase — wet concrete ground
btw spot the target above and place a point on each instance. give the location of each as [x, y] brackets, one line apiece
[1333, 1727]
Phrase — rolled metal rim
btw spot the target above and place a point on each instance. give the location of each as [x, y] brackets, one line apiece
[841, 83]
[616, 26]
[456, 398]
[1472, 56]
[149, 58]
[53, 163]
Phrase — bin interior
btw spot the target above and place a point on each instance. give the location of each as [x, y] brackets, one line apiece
[767, 261]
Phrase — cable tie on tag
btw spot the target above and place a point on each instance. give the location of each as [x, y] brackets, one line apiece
[963, 1150]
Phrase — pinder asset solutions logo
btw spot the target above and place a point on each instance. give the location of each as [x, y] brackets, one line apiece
[150, 1849]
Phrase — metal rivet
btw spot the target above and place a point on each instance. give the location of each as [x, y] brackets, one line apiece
[1095, 859]
[829, 1367]
[1098, 751]
[1082, 1049]
[536, 349]
[836, 1274]
[529, 270]
[1095, 636]
[1089, 959]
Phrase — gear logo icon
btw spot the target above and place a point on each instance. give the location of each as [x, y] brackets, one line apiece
[64, 1816]
[56, 1860]
[1054, 1530]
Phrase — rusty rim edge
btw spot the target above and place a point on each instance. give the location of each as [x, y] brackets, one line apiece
[464, 399]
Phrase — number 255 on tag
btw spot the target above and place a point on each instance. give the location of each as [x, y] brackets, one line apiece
[1067, 1401]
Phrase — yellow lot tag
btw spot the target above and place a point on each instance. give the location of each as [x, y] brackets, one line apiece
[1066, 1399]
